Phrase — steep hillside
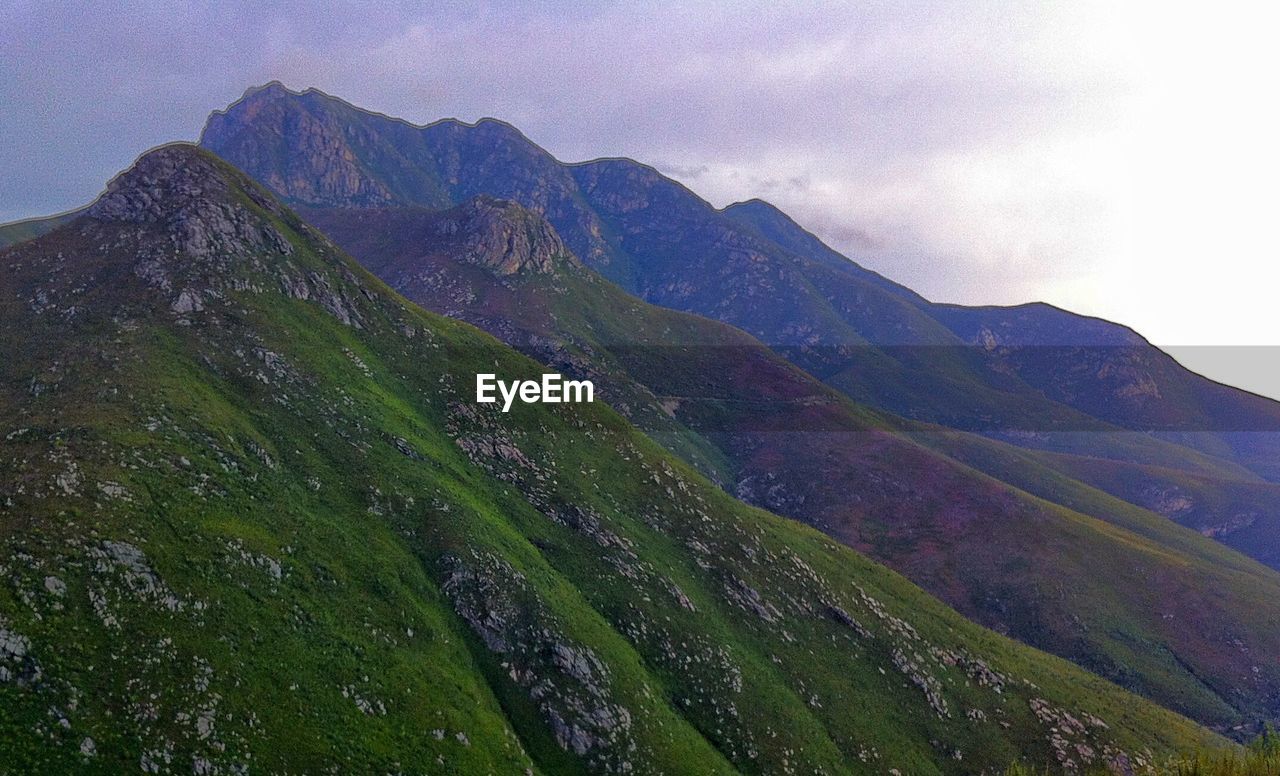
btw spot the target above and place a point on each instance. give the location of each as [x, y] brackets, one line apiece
[1242, 515]
[253, 522]
[1052, 577]
[503, 268]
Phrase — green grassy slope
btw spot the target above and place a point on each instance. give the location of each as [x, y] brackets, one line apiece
[542, 301]
[252, 521]
[1102, 582]
[1244, 515]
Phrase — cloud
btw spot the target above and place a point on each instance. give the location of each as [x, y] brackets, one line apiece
[686, 172]
[928, 140]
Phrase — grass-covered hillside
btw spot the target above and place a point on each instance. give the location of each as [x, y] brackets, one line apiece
[1243, 514]
[992, 529]
[252, 521]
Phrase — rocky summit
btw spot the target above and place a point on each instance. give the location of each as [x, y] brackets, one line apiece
[501, 236]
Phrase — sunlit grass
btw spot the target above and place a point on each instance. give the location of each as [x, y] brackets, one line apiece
[1260, 758]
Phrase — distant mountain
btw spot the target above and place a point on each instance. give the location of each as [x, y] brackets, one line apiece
[252, 521]
[778, 438]
[19, 231]
[1242, 515]
[1112, 373]
[751, 266]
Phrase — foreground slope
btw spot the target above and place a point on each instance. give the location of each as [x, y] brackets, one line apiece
[252, 522]
[1101, 582]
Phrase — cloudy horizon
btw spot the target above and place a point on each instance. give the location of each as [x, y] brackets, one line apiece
[1117, 160]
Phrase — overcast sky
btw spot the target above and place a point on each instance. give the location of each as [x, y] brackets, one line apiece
[1118, 159]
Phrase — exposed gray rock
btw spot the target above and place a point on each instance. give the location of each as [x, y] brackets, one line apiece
[567, 681]
[505, 237]
[406, 449]
[16, 662]
[187, 302]
[55, 586]
[747, 597]
[184, 191]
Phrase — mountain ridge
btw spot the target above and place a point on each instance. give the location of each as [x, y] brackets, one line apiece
[621, 188]
[825, 315]
[876, 342]
[941, 379]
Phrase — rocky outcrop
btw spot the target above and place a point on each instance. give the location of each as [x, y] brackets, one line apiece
[317, 166]
[566, 681]
[224, 234]
[503, 237]
[184, 191]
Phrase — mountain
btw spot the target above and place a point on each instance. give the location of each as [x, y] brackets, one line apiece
[253, 522]
[1073, 581]
[1112, 373]
[1106, 370]
[1242, 515]
[751, 266]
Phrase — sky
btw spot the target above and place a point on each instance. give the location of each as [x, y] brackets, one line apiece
[1116, 158]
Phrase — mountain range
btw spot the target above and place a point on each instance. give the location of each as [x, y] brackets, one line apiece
[990, 369]
[963, 537]
[254, 522]
[244, 472]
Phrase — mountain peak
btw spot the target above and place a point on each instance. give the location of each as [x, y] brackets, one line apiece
[170, 178]
[193, 230]
[274, 88]
[754, 204]
[192, 195]
[315, 165]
